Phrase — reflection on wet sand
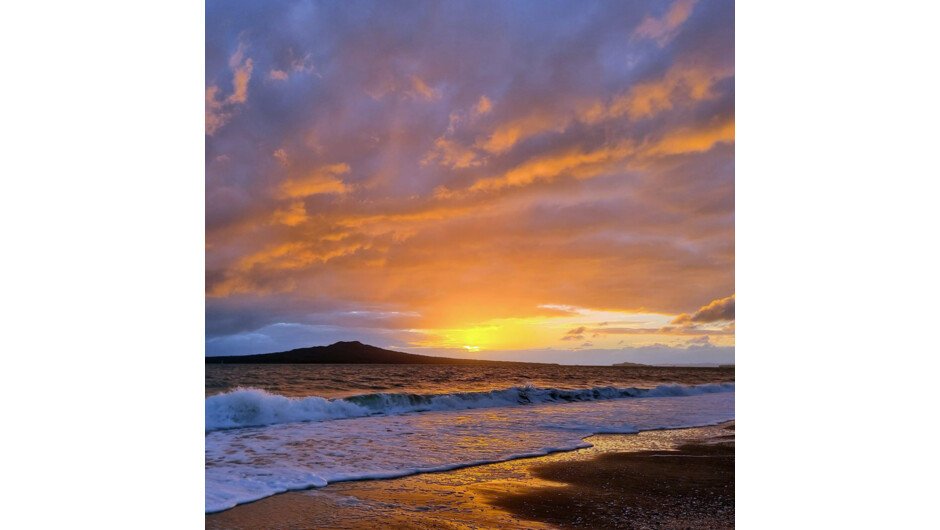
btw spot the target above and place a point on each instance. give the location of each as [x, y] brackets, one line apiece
[519, 493]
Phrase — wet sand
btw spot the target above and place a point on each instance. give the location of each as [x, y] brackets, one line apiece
[657, 479]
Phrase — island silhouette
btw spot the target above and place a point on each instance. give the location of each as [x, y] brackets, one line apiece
[352, 352]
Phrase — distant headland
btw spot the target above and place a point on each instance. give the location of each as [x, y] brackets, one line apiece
[351, 352]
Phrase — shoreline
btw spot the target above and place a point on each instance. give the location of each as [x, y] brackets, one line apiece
[673, 478]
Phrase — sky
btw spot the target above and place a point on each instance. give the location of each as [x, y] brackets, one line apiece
[539, 181]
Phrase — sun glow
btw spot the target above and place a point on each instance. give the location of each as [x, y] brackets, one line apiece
[581, 328]
[478, 336]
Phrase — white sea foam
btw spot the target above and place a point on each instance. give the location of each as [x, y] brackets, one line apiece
[300, 448]
[254, 407]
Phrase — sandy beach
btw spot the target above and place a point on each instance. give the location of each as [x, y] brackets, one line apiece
[680, 478]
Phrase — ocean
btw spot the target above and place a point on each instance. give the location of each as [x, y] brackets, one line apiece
[275, 428]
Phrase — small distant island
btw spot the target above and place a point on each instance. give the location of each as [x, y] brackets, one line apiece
[692, 365]
[352, 352]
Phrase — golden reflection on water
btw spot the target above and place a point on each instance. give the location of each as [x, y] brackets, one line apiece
[337, 380]
[458, 500]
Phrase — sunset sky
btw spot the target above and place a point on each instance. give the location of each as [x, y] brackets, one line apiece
[514, 180]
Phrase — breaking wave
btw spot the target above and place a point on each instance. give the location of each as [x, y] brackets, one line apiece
[251, 407]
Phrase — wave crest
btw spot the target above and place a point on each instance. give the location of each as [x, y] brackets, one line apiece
[252, 407]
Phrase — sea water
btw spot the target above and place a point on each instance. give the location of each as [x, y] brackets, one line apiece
[276, 428]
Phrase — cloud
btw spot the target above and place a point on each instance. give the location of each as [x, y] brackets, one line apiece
[664, 330]
[703, 340]
[574, 161]
[423, 91]
[693, 139]
[715, 311]
[268, 270]
[582, 332]
[582, 163]
[413, 87]
[506, 136]
[281, 156]
[663, 29]
[241, 69]
[294, 66]
[324, 179]
[462, 165]
[220, 109]
[447, 151]
[295, 214]
[575, 334]
[680, 84]
[277, 75]
[217, 110]
[484, 106]
[451, 154]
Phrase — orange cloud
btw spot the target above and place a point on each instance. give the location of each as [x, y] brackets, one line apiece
[582, 164]
[484, 106]
[662, 30]
[469, 267]
[217, 113]
[665, 330]
[292, 216]
[680, 85]
[508, 134]
[645, 100]
[242, 68]
[485, 190]
[451, 154]
[689, 140]
[277, 75]
[574, 161]
[219, 110]
[413, 87]
[267, 255]
[296, 66]
[232, 286]
[387, 222]
[715, 311]
[263, 272]
[322, 180]
[424, 91]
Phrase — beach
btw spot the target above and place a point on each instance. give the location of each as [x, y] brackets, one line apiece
[682, 478]
[313, 426]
